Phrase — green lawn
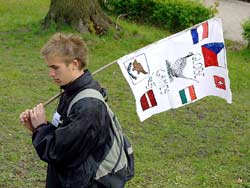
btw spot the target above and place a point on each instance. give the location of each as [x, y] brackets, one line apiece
[204, 144]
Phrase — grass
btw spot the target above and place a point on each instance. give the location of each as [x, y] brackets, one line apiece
[204, 144]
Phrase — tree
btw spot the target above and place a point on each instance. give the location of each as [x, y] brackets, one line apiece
[82, 15]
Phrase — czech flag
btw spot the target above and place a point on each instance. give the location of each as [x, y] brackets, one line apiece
[211, 54]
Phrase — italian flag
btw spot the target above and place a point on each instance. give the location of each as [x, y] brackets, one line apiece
[187, 95]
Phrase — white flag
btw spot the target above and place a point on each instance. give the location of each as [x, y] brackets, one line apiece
[179, 69]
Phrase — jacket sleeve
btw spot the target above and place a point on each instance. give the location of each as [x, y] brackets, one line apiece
[84, 132]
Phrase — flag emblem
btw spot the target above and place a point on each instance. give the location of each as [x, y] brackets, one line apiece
[148, 100]
[211, 54]
[137, 68]
[200, 33]
[219, 82]
[188, 94]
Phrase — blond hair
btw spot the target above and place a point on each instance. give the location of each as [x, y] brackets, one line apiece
[67, 46]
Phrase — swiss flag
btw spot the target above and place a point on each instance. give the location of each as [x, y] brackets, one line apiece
[219, 82]
[148, 100]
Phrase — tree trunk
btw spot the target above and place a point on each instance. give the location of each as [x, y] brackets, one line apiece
[82, 15]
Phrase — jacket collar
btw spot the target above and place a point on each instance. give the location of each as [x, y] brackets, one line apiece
[80, 83]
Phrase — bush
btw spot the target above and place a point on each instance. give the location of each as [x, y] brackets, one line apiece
[246, 31]
[174, 15]
[138, 10]
[178, 15]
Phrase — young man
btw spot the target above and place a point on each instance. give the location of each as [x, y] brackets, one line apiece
[70, 142]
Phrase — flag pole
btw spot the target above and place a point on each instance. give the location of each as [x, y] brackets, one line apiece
[104, 67]
[46, 103]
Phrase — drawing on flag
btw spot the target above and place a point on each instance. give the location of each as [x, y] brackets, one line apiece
[178, 70]
[137, 69]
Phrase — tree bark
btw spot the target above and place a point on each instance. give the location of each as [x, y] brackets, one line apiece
[82, 15]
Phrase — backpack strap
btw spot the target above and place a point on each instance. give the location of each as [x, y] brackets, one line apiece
[84, 94]
[116, 128]
[97, 95]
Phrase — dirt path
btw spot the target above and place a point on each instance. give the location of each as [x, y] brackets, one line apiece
[232, 13]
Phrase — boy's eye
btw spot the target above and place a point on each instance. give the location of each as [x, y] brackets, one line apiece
[54, 67]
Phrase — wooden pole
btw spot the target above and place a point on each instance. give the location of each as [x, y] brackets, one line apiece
[46, 103]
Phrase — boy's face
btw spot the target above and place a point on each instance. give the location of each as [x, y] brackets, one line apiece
[61, 73]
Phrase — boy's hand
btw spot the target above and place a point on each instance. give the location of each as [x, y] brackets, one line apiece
[37, 116]
[25, 120]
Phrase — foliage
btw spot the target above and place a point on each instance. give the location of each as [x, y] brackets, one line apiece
[174, 15]
[204, 144]
[246, 31]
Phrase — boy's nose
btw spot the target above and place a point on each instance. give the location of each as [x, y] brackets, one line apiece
[51, 73]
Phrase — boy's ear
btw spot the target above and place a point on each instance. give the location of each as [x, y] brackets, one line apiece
[76, 64]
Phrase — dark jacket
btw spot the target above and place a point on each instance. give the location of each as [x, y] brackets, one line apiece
[84, 133]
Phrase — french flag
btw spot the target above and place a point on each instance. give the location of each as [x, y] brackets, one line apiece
[200, 33]
[148, 100]
[211, 54]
